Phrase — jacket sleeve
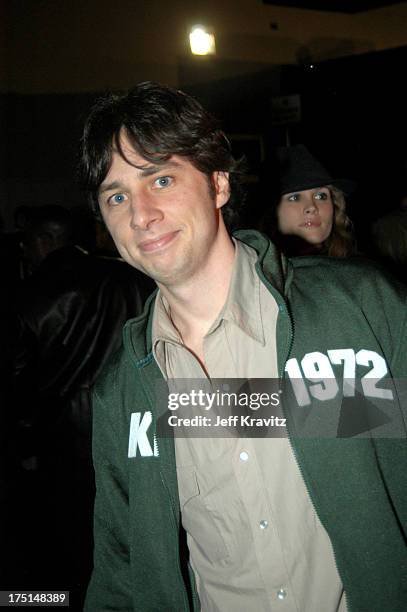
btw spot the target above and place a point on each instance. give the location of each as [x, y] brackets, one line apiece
[110, 585]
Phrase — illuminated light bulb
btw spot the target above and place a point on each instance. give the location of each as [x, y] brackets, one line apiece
[201, 41]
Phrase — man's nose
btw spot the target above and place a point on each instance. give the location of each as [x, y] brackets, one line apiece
[144, 212]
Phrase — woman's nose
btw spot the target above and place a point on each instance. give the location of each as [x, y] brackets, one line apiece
[310, 206]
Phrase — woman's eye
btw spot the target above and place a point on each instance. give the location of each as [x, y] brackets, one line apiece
[294, 197]
[117, 198]
[163, 181]
[321, 195]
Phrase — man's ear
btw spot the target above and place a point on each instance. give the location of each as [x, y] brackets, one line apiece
[222, 188]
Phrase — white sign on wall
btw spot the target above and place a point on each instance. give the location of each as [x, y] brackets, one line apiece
[286, 109]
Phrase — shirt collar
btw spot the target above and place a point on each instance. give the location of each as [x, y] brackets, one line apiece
[242, 306]
[163, 327]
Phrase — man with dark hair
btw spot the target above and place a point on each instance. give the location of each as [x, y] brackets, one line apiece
[170, 123]
[300, 523]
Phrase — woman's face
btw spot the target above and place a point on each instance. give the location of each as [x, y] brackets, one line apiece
[307, 214]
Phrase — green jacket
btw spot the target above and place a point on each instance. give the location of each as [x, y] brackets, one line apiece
[358, 486]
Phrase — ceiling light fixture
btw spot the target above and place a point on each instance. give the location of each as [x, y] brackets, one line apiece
[202, 41]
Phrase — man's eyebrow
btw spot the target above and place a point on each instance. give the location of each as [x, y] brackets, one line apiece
[144, 172]
[149, 170]
[110, 186]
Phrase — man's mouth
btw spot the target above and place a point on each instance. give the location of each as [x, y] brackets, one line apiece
[155, 244]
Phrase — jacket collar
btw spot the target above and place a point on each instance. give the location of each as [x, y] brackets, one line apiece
[274, 265]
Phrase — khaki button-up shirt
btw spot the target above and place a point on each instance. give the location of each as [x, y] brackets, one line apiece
[255, 541]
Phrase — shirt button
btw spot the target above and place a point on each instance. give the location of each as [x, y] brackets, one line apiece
[264, 524]
[281, 594]
[244, 456]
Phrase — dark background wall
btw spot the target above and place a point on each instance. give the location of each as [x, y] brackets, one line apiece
[353, 116]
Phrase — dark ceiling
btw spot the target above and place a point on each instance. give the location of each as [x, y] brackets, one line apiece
[337, 6]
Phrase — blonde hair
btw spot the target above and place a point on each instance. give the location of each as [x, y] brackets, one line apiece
[340, 242]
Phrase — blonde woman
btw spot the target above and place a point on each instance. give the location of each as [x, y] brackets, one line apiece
[308, 214]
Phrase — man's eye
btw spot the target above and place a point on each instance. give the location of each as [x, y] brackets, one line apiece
[117, 198]
[163, 181]
[321, 195]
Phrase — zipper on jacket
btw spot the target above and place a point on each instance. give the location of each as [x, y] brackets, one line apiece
[295, 455]
[348, 608]
[176, 527]
[283, 308]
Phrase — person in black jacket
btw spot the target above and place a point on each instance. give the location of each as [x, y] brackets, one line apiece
[69, 319]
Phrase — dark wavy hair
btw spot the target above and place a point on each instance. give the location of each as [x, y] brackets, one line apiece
[159, 122]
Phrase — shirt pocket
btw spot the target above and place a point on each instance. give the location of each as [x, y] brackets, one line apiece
[198, 517]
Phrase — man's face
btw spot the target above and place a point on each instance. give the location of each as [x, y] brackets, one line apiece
[164, 218]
